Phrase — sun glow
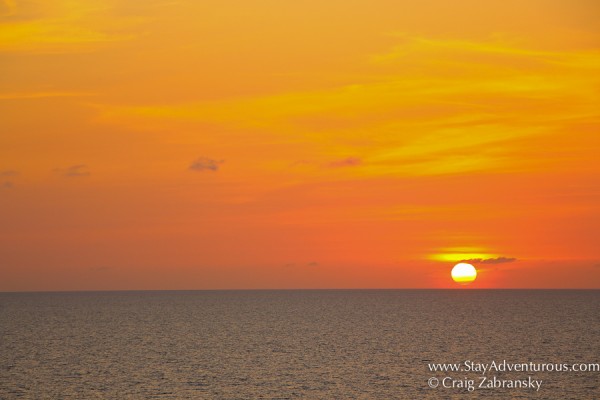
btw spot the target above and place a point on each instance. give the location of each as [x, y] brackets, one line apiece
[464, 273]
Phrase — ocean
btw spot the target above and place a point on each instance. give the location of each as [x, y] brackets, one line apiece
[300, 344]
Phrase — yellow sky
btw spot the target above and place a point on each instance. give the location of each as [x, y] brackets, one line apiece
[267, 144]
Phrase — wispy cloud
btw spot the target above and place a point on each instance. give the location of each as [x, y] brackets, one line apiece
[73, 171]
[346, 162]
[9, 173]
[7, 8]
[41, 95]
[63, 26]
[497, 260]
[205, 164]
[462, 113]
[505, 52]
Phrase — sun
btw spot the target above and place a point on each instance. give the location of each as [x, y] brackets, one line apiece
[464, 273]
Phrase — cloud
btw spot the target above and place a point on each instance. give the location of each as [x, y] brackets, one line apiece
[313, 264]
[299, 163]
[9, 173]
[73, 171]
[7, 8]
[498, 260]
[346, 162]
[41, 95]
[66, 26]
[206, 164]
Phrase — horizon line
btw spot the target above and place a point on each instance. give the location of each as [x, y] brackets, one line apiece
[290, 290]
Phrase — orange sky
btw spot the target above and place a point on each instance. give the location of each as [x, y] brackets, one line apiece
[165, 144]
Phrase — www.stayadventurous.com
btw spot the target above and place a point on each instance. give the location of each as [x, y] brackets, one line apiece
[449, 380]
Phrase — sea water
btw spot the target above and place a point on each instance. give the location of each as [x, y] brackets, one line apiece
[299, 344]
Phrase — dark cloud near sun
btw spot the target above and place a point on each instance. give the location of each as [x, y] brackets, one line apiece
[73, 171]
[205, 164]
[7, 185]
[346, 162]
[499, 260]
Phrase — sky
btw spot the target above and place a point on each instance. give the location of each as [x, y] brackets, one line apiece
[163, 144]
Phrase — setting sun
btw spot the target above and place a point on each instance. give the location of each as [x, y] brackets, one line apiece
[464, 273]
